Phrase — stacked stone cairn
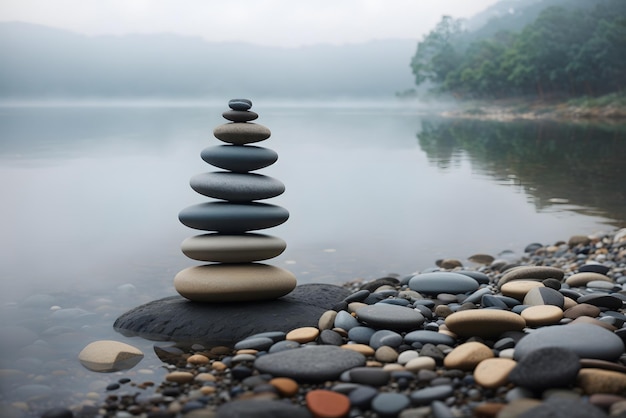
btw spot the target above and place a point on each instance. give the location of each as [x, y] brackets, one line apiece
[234, 274]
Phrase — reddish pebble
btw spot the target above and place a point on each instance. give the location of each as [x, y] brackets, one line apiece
[327, 404]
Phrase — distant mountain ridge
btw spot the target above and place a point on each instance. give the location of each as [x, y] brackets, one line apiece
[42, 62]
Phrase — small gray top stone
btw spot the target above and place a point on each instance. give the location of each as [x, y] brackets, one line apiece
[385, 316]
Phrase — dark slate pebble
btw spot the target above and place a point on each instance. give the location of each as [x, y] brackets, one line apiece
[432, 337]
[258, 343]
[375, 284]
[361, 334]
[601, 300]
[385, 337]
[481, 278]
[240, 372]
[177, 319]
[372, 376]
[477, 295]
[563, 408]
[429, 394]
[396, 301]
[587, 341]
[261, 409]
[239, 158]
[113, 386]
[549, 367]
[330, 337]
[240, 115]
[390, 317]
[552, 283]
[358, 296]
[314, 363]
[491, 301]
[390, 404]
[192, 405]
[429, 350]
[572, 294]
[345, 321]
[531, 248]
[442, 282]
[240, 104]
[58, 413]
[362, 396]
[594, 268]
[283, 345]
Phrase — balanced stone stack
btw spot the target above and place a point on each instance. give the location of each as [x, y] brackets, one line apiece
[234, 274]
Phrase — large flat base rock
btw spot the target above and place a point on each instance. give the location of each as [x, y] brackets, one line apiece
[177, 319]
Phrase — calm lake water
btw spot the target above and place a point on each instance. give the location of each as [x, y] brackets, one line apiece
[91, 194]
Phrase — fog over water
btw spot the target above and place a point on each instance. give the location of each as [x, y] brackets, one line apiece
[92, 193]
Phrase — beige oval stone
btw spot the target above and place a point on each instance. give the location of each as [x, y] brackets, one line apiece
[327, 320]
[467, 356]
[234, 282]
[109, 356]
[539, 315]
[303, 335]
[241, 133]
[364, 349]
[530, 273]
[484, 323]
[519, 288]
[601, 381]
[582, 309]
[485, 259]
[393, 367]
[219, 366]
[581, 279]
[493, 372]
[197, 359]
[421, 363]
[353, 306]
[593, 321]
[568, 303]
[242, 248]
[205, 377]
[285, 386]
[179, 377]
[386, 354]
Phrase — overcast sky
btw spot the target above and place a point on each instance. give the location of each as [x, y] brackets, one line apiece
[268, 22]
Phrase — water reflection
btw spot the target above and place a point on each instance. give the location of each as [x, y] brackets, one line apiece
[562, 167]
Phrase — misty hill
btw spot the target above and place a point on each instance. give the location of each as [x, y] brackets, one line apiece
[39, 61]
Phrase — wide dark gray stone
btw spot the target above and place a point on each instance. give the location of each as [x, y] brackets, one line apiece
[177, 319]
[548, 367]
[240, 115]
[252, 408]
[385, 316]
[310, 364]
[442, 282]
[232, 218]
[239, 158]
[236, 187]
[587, 341]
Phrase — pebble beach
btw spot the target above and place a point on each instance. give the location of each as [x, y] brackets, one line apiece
[537, 335]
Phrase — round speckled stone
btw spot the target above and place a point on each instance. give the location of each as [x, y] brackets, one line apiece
[484, 323]
[236, 187]
[530, 273]
[587, 341]
[493, 373]
[392, 317]
[548, 367]
[540, 315]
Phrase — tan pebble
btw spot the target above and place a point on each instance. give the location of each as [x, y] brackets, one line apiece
[247, 351]
[386, 354]
[393, 367]
[175, 407]
[582, 309]
[207, 390]
[484, 323]
[198, 359]
[593, 321]
[109, 356]
[601, 381]
[341, 332]
[493, 372]
[285, 386]
[364, 349]
[421, 363]
[449, 263]
[517, 407]
[220, 350]
[373, 363]
[539, 315]
[353, 306]
[205, 377]
[588, 363]
[581, 279]
[179, 377]
[219, 366]
[93, 395]
[530, 273]
[327, 404]
[327, 320]
[487, 409]
[383, 288]
[443, 311]
[578, 240]
[519, 288]
[485, 259]
[467, 355]
[303, 335]
[568, 303]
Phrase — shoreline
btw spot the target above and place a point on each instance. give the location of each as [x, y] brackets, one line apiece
[436, 372]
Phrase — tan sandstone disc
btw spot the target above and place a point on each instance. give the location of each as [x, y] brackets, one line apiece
[303, 334]
[601, 381]
[538, 273]
[519, 288]
[493, 372]
[484, 322]
[234, 282]
[581, 279]
[539, 315]
[466, 356]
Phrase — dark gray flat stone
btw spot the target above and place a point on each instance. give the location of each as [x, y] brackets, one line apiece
[240, 115]
[232, 218]
[564, 408]
[587, 341]
[310, 364]
[177, 319]
[236, 187]
[442, 282]
[239, 158]
[425, 337]
[252, 408]
[385, 316]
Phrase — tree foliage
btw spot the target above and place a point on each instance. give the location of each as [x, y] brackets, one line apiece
[563, 51]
